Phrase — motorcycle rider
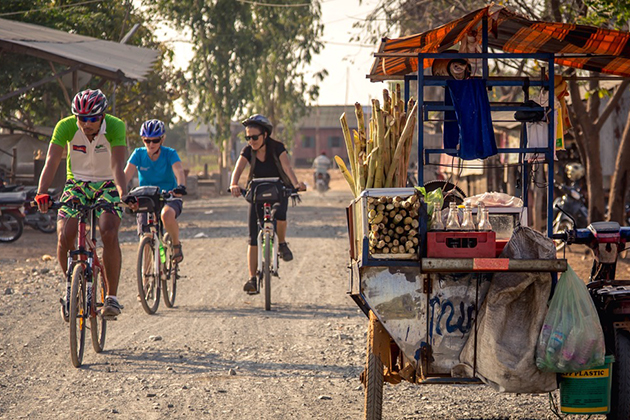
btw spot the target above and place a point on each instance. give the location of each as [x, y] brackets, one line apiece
[321, 164]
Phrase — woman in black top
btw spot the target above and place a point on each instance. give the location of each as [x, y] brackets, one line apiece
[258, 135]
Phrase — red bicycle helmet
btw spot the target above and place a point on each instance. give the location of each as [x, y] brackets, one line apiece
[89, 103]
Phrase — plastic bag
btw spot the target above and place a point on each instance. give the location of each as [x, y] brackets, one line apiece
[571, 338]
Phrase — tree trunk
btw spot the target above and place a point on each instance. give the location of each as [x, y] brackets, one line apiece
[619, 182]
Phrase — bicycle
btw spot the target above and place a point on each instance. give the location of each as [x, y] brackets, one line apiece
[85, 284]
[269, 192]
[156, 271]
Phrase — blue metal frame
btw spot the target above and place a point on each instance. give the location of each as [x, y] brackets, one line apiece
[425, 106]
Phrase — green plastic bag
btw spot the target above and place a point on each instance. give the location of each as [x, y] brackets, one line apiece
[571, 338]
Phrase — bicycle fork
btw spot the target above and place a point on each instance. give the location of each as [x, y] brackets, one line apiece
[268, 228]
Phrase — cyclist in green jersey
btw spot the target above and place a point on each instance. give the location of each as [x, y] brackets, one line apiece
[96, 156]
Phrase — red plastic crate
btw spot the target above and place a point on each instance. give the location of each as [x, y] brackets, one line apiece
[501, 243]
[461, 244]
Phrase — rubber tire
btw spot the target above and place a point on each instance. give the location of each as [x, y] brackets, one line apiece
[98, 324]
[620, 392]
[17, 227]
[51, 226]
[267, 271]
[458, 196]
[560, 227]
[78, 309]
[373, 385]
[169, 283]
[149, 307]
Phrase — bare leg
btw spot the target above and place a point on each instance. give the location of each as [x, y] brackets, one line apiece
[281, 230]
[170, 223]
[108, 225]
[252, 260]
[67, 229]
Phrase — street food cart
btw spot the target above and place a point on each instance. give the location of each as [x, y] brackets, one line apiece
[422, 308]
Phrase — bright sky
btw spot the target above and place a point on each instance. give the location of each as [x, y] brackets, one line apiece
[347, 63]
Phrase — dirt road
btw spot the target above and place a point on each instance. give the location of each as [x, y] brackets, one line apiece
[217, 354]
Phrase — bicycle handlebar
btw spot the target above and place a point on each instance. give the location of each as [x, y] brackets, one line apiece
[75, 205]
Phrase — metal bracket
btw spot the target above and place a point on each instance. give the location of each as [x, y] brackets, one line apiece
[426, 284]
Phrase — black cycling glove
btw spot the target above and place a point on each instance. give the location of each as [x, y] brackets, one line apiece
[180, 189]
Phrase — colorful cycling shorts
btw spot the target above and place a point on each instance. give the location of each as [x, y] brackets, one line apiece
[89, 192]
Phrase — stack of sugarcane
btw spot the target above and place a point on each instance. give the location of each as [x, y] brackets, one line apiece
[393, 224]
[380, 159]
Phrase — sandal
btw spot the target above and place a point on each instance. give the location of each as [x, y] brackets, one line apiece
[178, 255]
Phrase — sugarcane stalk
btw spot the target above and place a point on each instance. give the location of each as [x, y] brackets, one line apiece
[350, 148]
[358, 111]
[383, 146]
[371, 159]
[406, 134]
[346, 174]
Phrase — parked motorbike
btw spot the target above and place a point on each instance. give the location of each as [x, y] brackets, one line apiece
[612, 300]
[322, 179]
[573, 203]
[17, 209]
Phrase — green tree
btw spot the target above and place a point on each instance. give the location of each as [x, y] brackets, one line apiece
[249, 58]
[151, 98]
[288, 37]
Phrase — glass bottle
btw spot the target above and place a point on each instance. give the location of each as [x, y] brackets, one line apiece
[484, 224]
[436, 217]
[467, 219]
[480, 208]
[452, 222]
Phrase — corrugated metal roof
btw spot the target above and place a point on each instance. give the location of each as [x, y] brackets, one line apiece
[105, 58]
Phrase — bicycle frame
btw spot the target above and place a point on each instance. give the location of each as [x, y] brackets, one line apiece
[267, 227]
[86, 254]
[156, 230]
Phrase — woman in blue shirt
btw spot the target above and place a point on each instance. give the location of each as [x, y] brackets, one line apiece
[160, 166]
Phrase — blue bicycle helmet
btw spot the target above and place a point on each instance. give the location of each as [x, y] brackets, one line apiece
[152, 129]
[260, 121]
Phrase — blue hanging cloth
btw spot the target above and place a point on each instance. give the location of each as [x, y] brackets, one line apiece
[469, 128]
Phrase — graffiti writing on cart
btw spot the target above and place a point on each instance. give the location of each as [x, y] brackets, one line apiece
[448, 317]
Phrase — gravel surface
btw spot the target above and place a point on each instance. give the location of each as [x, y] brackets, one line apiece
[218, 354]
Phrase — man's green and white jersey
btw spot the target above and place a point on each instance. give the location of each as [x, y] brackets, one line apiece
[90, 160]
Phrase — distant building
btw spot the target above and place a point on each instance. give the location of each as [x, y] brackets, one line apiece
[320, 130]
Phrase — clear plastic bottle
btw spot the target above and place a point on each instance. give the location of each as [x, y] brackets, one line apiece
[467, 219]
[484, 223]
[452, 222]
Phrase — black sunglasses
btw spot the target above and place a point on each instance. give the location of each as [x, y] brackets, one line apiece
[90, 119]
[155, 141]
[253, 137]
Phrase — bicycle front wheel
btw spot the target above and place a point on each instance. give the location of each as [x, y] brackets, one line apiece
[169, 283]
[98, 324]
[267, 270]
[148, 276]
[78, 315]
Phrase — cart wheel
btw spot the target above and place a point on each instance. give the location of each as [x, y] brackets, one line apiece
[373, 375]
[620, 396]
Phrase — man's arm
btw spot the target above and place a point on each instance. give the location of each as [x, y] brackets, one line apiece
[48, 173]
[118, 168]
[55, 152]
